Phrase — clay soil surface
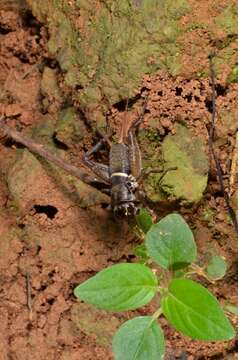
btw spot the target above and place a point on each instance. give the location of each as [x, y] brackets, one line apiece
[50, 244]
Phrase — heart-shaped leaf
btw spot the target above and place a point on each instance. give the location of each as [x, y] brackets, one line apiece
[216, 268]
[170, 242]
[194, 311]
[139, 339]
[119, 287]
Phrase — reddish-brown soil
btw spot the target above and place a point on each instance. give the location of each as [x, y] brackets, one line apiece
[73, 243]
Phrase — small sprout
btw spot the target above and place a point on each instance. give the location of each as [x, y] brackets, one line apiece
[217, 267]
[188, 306]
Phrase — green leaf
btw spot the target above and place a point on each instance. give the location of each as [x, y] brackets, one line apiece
[194, 311]
[139, 339]
[170, 242]
[141, 251]
[216, 268]
[144, 220]
[119, 287]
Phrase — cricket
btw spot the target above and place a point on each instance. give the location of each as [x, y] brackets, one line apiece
[119, 179]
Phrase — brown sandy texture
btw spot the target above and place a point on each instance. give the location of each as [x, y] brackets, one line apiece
[49, 243]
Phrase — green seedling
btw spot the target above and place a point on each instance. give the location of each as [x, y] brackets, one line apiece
[188, 306]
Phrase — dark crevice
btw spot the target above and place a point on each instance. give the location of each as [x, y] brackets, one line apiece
[38, 249]
[4, 31]
[22, 57]
[43, 287]
[188, 97]
[51, 63]
[52, 273]
[160, 93]
[220, 90]
[49, 210]
[9, 143]
[30, 21]
[51, 301]
[208, 104]
[178, 91]
[60, 144]
[78, 87]
[104, 205]
[218, 194]
[123, 104]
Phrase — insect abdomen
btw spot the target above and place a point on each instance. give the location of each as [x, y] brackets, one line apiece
[119, 159]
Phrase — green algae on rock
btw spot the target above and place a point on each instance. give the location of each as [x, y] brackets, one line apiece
[105, 47]
[69, 127]
[188, 181]
[228, 19]
[185, 152]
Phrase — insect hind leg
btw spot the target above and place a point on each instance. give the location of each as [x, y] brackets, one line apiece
[100, 170]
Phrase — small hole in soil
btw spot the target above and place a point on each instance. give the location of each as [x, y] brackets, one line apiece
[29, 326]
[21, 226]
[208, 104]
[178, 91]
[51, 63]
[38, 249]
[78, 87]
[220, 90]
[51, 273]
[51, 301]
[196, 98]
[160, 93]
[4, 31]
[49, 210]
[30, 20]
[122, 105]
[43, 287]
[189, 97]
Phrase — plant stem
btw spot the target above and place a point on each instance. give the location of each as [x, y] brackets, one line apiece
[157, 314]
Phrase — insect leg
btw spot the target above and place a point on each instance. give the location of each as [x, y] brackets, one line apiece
[147, 172]
[39, 149]
[100, 170]
[134, 155]
[133, 146]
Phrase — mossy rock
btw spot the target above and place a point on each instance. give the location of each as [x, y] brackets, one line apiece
[105, 47]
[187, 153]
[228, 19]
[69, 127]
[184, 153]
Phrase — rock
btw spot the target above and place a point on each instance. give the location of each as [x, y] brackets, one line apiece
[50, 90]
[185, 152]
[69, 127]
[101, 63]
